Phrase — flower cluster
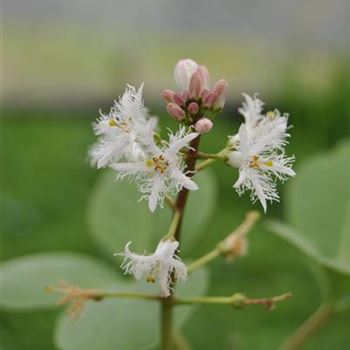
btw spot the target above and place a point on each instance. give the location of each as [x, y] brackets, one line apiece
[195, 104]
[128, 144]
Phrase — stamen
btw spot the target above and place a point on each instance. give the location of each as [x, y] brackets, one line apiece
[255, 163]
[112, 123]
[271, 114]
[158, 163]
[150, 279]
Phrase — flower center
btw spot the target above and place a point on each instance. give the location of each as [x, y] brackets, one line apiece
[158, 164]
[271, 115]
[255, 163]
[119, 124]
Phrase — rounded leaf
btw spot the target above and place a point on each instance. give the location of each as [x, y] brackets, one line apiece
[24, 279]
[318, 209]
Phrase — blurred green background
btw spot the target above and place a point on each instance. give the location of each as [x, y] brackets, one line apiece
[64, 60]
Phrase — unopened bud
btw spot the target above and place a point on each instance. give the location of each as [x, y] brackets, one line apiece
[168, 95]
[221, 88]
[235, 159]
[176, 111]
[193, 108]
[235, 245]
[210, 99]
[204, 94]
[196, 86]
[204, 74]
[179, 98]
[203, 125]
[184, 70]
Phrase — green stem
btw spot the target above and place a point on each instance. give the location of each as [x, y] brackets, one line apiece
[216, 156]
[167, 337]
[210, 158]
[309, 327]
[174, 224]
[204, 164]
[236, 300]
[128, 295]
[225, 247]
[170, 202]
[204, 260]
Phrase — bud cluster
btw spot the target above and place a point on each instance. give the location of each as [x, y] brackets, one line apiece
[196, 103]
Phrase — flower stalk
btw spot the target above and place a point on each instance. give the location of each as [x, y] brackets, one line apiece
[237, 300]
[309, 327]
[175, 231]
[227, 246]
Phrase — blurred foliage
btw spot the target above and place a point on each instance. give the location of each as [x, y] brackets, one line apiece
[47, 184]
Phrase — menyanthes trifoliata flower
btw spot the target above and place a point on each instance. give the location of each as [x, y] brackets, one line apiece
[161, 170]
[258, 152]
[120, 130]
[162, 265]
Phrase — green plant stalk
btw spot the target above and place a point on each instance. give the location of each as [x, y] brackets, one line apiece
[167, 332]
[174, 224]
[128, 295]
[236, 300]
[204, 260]
[216, 156]
[309, 327]
[210, 158]
[222, 248]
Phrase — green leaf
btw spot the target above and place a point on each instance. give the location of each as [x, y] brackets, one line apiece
[116, 216]
[297, 239]
[24, 279]
[124, 324]
[318, 209]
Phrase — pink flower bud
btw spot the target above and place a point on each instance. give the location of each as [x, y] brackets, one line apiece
[176, 111]
[204, 74]
[203, 125]
[221, 88]
[193, 108]
[204, 94]
[184, 70]
[210, 99]
[196, 86]
[179, 98]
[168, 95]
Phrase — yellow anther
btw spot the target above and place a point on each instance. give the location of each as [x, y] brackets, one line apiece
[112, 122]
[269, 163]
[158, 163]
[271, 114]
[150, 279]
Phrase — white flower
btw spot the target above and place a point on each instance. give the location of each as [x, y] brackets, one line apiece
[251, 110]
[161, 265]
[162, 169]
[184, 70]
[260, 158]
[120, 130]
